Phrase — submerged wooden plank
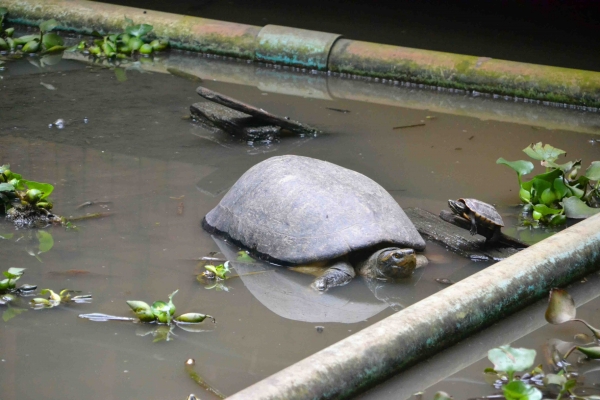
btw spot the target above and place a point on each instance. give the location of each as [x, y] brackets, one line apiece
[457, 239]
[234, 122]
[266, 117]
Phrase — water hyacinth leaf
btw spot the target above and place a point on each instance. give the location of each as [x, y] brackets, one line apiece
[577, 209]
[135, 43]
[139, 30]
[509, 360]
[5, 284]
[555, 379]
[557, 219]
[519, 390]
[6, 187]
[127, 23]
[52, 39]
[593, 171]
[40, 301]
[539, 185]
[51, 295]
[170, 305]
[25, 39]
[244, 257]
[442, 396]
[561, 307]
[47, 26]
[560, 188]
[142, 310]
[46, 241]
[545, 210]
[45, 188]
[31, 47]
[548, 197]
[541, 152]
[14, 273]
[3, 44]
[590, 352]
[12, 312]
[577, 192]
[522, 167]
[192, 318]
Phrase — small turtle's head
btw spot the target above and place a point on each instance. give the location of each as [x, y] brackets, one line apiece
[457, 207]
[395, 263]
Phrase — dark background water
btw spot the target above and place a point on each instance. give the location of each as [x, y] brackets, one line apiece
[558, 33]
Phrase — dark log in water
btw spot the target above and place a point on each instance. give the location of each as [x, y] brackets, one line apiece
[458, 239]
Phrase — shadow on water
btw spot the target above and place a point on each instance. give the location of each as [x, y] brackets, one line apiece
[162, 173]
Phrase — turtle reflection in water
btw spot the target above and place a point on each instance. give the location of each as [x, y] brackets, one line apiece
[293, 210]
[483, 217]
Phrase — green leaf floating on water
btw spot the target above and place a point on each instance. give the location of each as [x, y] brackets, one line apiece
[593, 171]
[519, 390]
[52, 39]
[46, 241]
[192, 318]
[45, 188]
[561, 307]
[541, 152]
[139, 30]
[442, 396]
[577, 209]
[522, 167]
[510, 360]
[14, 273]
[47, 26]
[142, 310]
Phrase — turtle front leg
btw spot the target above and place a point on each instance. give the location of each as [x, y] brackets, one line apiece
[338, 274]
[473, 229]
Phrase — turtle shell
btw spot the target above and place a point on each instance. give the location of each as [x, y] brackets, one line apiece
[484, 212]
[296, 210]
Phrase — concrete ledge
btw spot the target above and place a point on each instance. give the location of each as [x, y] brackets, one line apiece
[376, 353]
[298, 47]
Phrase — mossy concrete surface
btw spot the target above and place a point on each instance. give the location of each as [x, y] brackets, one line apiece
[294, 47]
[190, 33]
[376, 353]
[323, 51]
[552, 84]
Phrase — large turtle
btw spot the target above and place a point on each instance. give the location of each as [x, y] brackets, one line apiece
[483, 217]
[293, 210]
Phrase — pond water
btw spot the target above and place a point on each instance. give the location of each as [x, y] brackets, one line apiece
[141, 158]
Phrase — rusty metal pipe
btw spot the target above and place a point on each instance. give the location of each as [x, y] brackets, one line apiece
[325, 52]
[376, 353]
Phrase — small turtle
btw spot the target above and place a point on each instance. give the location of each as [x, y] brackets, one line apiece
[484, 218]
[294, 211]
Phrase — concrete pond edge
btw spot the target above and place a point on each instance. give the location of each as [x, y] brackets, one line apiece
[369, 357]
[321, 51]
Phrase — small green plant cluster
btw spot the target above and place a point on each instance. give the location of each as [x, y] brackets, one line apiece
[559, 193]
[13, 188]
[44, 42]
[122, 45]
[11, 277]
[55, 299]
[163, 312]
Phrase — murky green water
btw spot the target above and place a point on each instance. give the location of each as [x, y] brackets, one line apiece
[139, 155]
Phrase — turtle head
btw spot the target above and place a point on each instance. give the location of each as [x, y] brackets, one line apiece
[396, 263]
[458, 207]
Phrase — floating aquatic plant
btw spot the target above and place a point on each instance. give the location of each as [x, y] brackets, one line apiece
[559, 193]
[56, 299]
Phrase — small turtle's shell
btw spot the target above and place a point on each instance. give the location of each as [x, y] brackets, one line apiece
[297, 210]
[484, 212]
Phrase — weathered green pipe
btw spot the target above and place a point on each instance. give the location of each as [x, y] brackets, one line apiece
[378, 352]
[190, 33]
[301, 48]
[483, 74]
